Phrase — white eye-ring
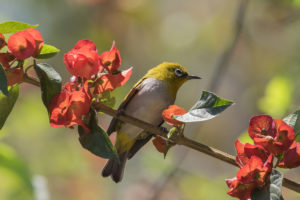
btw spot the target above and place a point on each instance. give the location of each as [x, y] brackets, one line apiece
[179, 72]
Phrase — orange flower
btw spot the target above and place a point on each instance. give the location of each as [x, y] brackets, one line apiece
[291, 158]
[170, 112]
[39, 42]
[273, 134]
[246, 151]
[109, 82]
[252, 175]
[83, 59]
[22, 45]
[111, 60]
[69, 106]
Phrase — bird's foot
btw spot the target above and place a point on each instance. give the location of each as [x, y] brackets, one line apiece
[163, 129]
[120, 112]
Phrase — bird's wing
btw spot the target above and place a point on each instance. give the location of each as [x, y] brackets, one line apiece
[115, 123]
[139, 143]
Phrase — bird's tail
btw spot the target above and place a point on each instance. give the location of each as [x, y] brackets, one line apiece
[114, 168]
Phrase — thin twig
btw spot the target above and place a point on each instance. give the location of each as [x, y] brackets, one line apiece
[181, 140]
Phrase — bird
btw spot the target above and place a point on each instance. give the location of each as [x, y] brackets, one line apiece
[153, 93]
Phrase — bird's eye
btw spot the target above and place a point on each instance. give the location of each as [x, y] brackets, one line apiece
[179, 72]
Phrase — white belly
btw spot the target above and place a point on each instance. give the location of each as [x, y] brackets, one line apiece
[147, 105]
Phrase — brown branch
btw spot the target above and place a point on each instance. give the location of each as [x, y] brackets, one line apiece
[181, 140]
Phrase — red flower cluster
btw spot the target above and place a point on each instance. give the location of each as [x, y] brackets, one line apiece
[21, 45]
[272, 137]
[83, 60]
[68, 106]
[273, 134]
[93, 74]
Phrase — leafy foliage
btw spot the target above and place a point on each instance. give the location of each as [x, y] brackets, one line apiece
[208, 107]
[271, 191]
[3, 81]
[294, 121]
[47, 51]
[7, 103]
[14, 26]
[97, 141]
[50, 82]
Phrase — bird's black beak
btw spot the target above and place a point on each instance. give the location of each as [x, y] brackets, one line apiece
[189, 77]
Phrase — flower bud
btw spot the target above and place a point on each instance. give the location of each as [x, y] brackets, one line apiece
[22, 45]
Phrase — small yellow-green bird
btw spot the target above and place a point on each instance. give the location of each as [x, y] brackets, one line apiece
[146, 101]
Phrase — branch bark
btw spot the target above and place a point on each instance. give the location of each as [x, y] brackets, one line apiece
[181, 140]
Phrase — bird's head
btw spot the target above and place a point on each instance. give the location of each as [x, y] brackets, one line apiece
[173, 74]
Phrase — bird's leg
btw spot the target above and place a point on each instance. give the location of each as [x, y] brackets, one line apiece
[120, 112]
[163, 129]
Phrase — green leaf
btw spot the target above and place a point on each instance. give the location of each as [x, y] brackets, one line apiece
[294, 121]
[97, 141]
[208, 107]
[271, 191]
[7, 103]
[3, 81]
[47, 51]
[14, 26]
[50, 82]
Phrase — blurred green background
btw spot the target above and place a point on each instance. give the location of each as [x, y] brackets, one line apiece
[42, 163]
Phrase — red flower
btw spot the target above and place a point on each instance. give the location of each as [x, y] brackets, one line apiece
[83, 60]
[238, 189]
[246, 151]
[39, 42]
[5, 59]
[109, 82]
[69, 106]
[256, 171]
[252, 175]
[88, 44]
[261, 125]
[170, 112]
[291, 158]
[2, 41]
[281, 142]
[160, 144]
[14, 75]
[21, 44]
[274, 135]
[111, 60]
